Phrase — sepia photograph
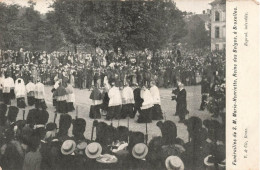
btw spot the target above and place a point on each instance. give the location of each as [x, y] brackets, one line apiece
[113, 84]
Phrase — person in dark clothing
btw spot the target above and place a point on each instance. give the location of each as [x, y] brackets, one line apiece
[181, 107]
[205, 89]
[138, 99]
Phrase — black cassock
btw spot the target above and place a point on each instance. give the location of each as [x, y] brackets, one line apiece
[181, 107]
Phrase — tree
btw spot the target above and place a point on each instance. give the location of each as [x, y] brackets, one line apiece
[129, 25]
[27, 28]
[198, 36]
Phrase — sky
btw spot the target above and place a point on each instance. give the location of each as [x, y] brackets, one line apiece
[195, 6]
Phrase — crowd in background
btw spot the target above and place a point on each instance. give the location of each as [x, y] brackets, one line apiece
[85, 70]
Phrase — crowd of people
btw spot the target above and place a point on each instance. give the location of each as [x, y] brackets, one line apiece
[121, 85]
[34, 144]
[83, 70]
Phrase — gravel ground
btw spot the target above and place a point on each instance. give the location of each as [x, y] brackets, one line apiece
[168, 106]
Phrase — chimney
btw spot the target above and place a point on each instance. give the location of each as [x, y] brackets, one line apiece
[203, 11]
[208, 11]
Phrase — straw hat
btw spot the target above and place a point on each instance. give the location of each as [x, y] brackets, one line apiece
[68, 147]
[174, 163]
[93, 150]
[139, 151]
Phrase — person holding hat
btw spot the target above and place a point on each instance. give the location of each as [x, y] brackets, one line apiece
[40, 95]
[115, 102]
[96, 97]
[20, 92]
[128, 102]
[156, 110]
[146, 114]
[30, 87]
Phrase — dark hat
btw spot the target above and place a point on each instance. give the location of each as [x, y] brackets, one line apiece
[79, 125]
[51, 126]
[41, 117]
[12, 113]
[65, 122]
[213, 126]
[122, 133]
[3, 109]
[168, 130]
[20, 123]
[31, 116]
[135, 138]
[193, 124]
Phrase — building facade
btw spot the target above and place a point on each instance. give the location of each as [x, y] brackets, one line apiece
[218, 25]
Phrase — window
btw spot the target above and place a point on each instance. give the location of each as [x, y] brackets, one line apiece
[217, 16]
[217, 32]
[217, 47]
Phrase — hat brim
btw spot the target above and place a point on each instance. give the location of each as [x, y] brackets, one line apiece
[167, 164]
[96, 155]
[140, 156]
[69, 152]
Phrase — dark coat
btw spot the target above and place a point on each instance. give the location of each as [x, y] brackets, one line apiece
[181, 107]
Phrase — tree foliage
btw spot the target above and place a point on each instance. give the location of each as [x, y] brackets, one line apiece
[24, 27]
[128, 25]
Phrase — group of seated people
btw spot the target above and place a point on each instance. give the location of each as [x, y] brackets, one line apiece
[35, 144]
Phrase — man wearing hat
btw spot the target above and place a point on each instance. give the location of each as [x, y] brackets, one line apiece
[64, 125]
[174, 163]
[79, 126]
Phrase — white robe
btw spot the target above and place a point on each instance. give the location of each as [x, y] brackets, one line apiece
[19, 89]
[127, 95]
[114, 97]
[155, 94]
[148, 99]
[8, 85]
[39, 91]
